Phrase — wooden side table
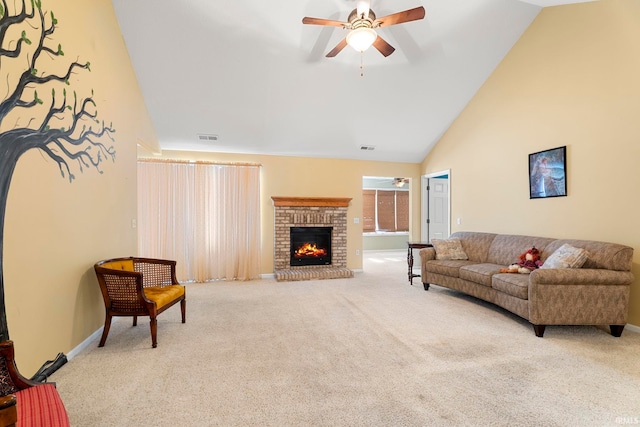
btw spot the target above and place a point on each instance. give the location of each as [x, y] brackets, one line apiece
[411, 247]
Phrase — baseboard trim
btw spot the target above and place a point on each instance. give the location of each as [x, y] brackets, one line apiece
[84, 344]
[632, 328]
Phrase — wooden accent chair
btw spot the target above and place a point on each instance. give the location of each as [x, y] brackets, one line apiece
[24, 402]
[138, 287]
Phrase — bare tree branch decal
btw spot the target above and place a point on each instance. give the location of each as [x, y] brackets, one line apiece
[68, 132]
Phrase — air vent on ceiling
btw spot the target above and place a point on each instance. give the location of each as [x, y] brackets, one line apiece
[206, 137]
[368, 147]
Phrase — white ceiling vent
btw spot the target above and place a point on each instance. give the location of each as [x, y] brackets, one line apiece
[368, 147]
[207, 137]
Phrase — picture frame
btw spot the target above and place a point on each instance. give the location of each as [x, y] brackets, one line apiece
[548, 173]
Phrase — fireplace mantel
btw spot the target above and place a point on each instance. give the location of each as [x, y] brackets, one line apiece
[311, 201]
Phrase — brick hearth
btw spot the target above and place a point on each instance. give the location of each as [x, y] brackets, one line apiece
[310, 212]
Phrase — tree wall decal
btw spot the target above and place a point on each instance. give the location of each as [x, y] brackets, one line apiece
[64, 126]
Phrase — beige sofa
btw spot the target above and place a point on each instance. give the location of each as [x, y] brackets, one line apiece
[595, 294]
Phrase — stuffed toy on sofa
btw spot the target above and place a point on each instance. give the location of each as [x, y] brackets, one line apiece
[529, 261]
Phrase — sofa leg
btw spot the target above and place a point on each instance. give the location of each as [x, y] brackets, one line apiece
[539, 330]
[426, 286]
[616, 330]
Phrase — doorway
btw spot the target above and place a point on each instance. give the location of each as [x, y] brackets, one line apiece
[385, 216]
[436, 206]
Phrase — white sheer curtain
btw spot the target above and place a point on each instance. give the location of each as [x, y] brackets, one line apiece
[204, 216]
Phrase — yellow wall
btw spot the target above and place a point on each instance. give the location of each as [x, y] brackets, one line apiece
[301, 176]
[572, 79]
[55, 230]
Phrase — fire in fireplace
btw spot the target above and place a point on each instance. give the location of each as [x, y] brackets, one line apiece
[310, 246]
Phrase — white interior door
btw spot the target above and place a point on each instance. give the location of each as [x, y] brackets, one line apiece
[435, 206]
[438, 208]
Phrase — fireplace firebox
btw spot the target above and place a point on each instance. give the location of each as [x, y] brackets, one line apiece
[310, 246]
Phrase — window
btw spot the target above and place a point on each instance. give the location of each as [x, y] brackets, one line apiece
[205, 216]
[385, 211]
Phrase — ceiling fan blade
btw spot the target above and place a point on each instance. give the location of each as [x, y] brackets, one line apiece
[336, 50]
[400, 17]
[320, 21]
[383, 47]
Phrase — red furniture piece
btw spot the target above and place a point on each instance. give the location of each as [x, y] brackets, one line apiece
[26, 403]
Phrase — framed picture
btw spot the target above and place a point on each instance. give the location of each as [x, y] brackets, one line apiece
[548, 173]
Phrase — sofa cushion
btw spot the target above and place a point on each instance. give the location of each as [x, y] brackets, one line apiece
[40, 406]
[163, 295]
[449, 249]
[121, 264]
[505, 249]
[610, 256]
[480, 273]
[566, 256]
[516, 285]
[449, 268]
[476, 245]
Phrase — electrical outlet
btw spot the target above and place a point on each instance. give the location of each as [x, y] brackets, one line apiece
[356, 220]
[459, 221]
[357, 251]
[134, 223]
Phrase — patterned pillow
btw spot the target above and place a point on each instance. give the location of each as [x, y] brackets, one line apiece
[449, 249]
[566, 256]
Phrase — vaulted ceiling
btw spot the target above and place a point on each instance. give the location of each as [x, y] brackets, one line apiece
[250, 73]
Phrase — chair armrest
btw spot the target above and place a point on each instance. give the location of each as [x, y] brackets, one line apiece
[121, 289]
[8, 354]
[8, 411]
[8, 400]
[156, 272]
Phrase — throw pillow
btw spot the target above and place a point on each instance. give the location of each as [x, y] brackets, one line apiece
[566, 256]
[449, 249]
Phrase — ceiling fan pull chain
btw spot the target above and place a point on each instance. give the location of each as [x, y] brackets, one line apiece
[361, 64]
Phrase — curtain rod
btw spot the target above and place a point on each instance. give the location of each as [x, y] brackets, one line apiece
[198, 162]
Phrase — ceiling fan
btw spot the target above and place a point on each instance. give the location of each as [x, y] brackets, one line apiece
[362, 22]
[400, 182]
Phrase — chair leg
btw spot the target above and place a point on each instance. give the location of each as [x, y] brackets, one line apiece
[135, 320]
[105, 331]
[183, 309]
[154, 331]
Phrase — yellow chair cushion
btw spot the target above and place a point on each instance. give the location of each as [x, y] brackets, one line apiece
[125, 264]
[163, 295]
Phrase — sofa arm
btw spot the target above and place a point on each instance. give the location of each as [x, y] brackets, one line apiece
[579, 296]
[427, 254]
[580, 276]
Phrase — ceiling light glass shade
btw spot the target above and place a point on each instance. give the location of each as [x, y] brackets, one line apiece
[361, 39]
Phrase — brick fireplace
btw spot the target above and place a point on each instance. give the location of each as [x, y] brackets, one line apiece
[322, 212]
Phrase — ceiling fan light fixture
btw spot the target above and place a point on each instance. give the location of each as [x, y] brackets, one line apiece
[361, 39]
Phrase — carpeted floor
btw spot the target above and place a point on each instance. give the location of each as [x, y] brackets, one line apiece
[367, 351]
